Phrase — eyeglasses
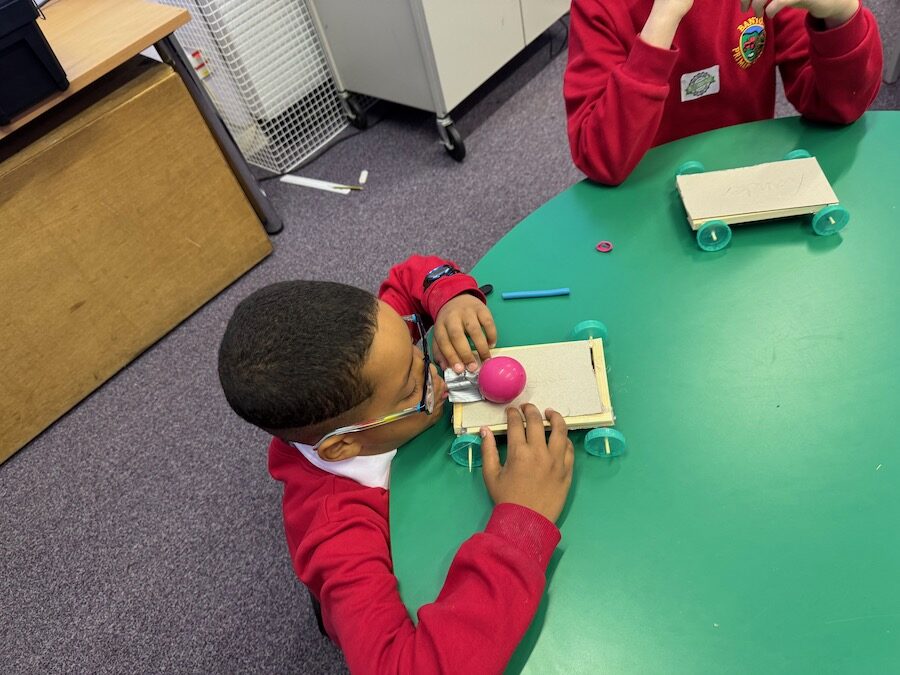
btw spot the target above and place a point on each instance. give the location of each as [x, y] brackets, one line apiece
[426, 405]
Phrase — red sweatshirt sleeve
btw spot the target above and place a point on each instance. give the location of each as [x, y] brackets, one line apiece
[829, 75]
[489, 598]
[614, 98]
[403, 289]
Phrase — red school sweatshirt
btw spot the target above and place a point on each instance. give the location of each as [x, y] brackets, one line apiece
[338, 536]
[624, 96]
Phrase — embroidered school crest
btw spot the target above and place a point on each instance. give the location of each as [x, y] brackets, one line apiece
[699, 84]
[752, 42]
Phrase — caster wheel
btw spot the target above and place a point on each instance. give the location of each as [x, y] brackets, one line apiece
[591, 328]
[690, 167]
[355, 114]
[799, 153]
[714, 236]
[830, 220]
[462, 445]
[456, 148]
[604, 442]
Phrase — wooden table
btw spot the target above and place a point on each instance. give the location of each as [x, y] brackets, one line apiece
[751, 526]
[124, 207]
[93, 37]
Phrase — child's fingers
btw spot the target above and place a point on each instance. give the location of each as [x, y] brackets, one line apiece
[759, 6]
[444, 344]
[745, 5]
[438, 357]
[473, 328]
[570, 455]
[777, 5]
[460, 344]
[534, 421]
[490, 328]
[490, 458]
[515, 430]
[559, 432]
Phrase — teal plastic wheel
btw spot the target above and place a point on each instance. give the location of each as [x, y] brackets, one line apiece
[604, 442]
[830, 220]
[714, 235]
[459, 450]
[692, 166]
[799, 153]
[590, 328]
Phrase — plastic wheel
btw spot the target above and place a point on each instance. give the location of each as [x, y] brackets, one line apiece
[590, 328]
[355, 114]
[459, 450]
[693, 166]
[714, 235]
[604, 442]
[457, 148]
[830, 220]
[799, 153]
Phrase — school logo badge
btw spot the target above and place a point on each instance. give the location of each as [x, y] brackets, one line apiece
[699, 84]
[752, 42]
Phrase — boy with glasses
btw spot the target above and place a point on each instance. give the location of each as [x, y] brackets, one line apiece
[341, 379]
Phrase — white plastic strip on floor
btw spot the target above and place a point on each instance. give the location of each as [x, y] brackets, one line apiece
[317, 184]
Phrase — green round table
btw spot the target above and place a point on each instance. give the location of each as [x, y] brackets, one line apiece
[753, 525]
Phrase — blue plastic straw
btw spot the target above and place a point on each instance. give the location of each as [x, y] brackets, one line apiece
[517, 295]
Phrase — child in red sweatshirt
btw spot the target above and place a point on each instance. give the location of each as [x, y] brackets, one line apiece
[646, 72]
[330, 370]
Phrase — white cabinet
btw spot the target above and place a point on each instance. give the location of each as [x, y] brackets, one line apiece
[470, 41]
[538, 15]
[428, 54]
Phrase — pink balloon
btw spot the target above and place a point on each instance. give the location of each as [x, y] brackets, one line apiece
[501, 379]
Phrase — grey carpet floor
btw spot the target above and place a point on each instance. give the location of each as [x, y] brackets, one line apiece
[141, 532]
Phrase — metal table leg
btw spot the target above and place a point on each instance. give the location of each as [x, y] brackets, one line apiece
[170, 51]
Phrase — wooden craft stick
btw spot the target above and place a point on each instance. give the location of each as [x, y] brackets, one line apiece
[328, 186]
[606, 445]
[470, 458]
[741, 218]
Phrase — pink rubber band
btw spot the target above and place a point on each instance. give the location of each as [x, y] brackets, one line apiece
[605, 246]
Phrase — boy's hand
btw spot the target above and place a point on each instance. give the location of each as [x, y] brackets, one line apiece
[463, 317]
[833, 12]
[537, 473]
[663, 22]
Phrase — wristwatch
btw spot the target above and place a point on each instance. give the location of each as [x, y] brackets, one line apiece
[438, 273]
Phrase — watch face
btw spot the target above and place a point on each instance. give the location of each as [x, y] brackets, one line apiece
[439, 272]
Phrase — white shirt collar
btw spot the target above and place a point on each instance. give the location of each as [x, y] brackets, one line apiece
[368, 470]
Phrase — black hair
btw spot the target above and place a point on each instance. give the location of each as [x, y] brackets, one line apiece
[293, 352]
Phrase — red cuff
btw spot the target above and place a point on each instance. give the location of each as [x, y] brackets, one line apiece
[528, 530]
[835, 42]
[650, 64]
[447, 288]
